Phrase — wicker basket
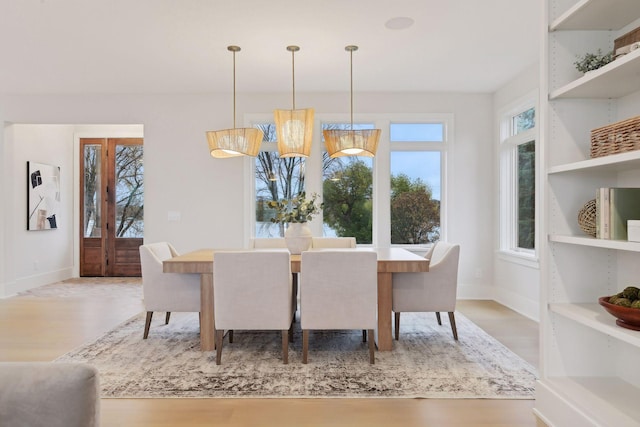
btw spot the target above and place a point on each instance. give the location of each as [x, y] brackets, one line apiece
[627, 39]
[587, 218]
[616, 138]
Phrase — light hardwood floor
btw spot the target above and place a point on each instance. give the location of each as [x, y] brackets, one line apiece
[41, 329]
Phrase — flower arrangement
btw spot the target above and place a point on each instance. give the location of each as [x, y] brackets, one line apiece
[593, 61]
[298, 209]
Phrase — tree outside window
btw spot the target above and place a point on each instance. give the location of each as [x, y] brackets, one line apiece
[348, 187]
[416, 170]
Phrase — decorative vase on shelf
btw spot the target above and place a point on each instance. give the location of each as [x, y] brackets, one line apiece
[298, 237]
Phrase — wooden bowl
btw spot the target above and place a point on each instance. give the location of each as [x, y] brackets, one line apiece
[626, 317]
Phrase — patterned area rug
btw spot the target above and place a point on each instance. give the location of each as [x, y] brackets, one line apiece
[425, 363]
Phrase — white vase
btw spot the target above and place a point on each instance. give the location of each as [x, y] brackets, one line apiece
[298, 237]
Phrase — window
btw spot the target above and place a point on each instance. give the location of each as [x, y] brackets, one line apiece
[518, 181]
[275, 178]
[415, 179]
[397, 197]
[347, 192]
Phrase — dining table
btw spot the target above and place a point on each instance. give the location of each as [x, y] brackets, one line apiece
[390, 260]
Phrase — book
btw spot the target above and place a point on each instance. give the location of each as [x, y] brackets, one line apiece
[624, 204]
[602, 213]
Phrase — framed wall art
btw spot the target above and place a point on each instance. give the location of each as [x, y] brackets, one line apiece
[43, 196]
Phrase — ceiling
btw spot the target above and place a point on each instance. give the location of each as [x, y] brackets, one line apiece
[180, 46]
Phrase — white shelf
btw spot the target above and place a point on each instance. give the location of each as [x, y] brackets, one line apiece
[614, 80]
[621, 245]
[595, 317]
[613, 163]
[607, 401]
[597, 15]
[593, 400]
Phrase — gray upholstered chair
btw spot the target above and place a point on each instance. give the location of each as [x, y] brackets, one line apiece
[43, 394]
[339, 291]
[435, 290]
[253, 291]
[333, 242]
[167, 292]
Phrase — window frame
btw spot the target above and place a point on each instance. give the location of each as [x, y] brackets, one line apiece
[509, 142]
[381, 233]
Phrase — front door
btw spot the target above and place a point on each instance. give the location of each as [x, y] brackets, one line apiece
[111, 206]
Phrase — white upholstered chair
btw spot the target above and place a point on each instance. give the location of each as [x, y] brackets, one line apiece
[339, 291]
[277, 243]
[435, 290]
[168, 292]
[268, 243]
[253, 291]
[333, 242]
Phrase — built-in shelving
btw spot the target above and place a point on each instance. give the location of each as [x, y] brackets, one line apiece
[597, 15]
[583, 382]
[595, 317]
[612, 163]
[614, 80]
[604, 401]
[621, 245]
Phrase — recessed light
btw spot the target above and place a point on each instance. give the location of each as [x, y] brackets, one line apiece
[399, 23]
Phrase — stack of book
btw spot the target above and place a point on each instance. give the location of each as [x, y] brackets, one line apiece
[614, 207]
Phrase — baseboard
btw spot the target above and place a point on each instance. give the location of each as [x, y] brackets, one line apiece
[519, 304]
[515, 302]
[26, 283]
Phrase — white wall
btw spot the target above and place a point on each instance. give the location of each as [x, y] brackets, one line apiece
[517, 283]
[209, 194]
[46, 255]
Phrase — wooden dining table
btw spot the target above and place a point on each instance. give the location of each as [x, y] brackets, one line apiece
[390, 260]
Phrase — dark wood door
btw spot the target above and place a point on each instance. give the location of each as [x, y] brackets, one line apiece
[112, 206]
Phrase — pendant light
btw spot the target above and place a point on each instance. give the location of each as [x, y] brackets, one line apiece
[352, 142]
[237, 141]
[294, 128]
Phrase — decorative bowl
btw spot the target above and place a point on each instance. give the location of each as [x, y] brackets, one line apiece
[626, 317]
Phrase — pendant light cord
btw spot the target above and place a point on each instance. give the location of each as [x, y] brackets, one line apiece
[351, 83]
[234, 89]
[293, 76]
[350, 49]
[293, 49]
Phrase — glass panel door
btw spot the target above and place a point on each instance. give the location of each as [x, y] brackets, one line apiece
[112, 206]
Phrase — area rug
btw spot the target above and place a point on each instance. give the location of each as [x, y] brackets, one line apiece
[425, 363]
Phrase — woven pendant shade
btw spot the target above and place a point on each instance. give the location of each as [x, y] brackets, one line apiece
[234, 142]
[361, 142]
[294, 128]
[295, 132]
[237, 141]
[351, 142]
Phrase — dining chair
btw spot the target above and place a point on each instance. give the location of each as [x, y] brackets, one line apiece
[253, 291]
[268, 243]
[169, 292]
[277, 243]
[333, 242]
[435, 290]
[339, 291]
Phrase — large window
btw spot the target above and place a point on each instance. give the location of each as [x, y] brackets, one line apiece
[518, 180]
[347, 192]
[416, 182]
[395, 198]
[275, 179]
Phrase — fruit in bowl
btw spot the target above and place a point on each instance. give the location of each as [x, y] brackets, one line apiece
[625, 307]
